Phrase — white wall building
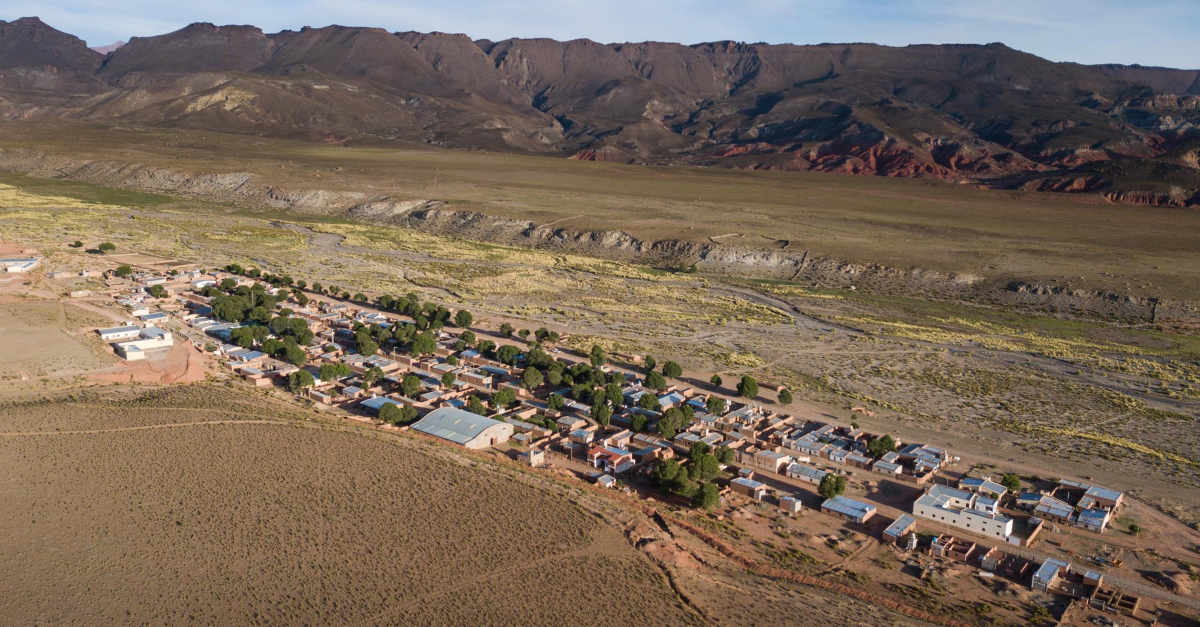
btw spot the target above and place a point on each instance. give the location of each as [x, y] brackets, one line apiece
[151, 338]
[960, 509]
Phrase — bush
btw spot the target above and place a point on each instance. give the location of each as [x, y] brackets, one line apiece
[785, 397]
[463, 318]
[672, 369]
[124, 270]
[106, 247]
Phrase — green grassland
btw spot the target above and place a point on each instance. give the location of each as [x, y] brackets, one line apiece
[1080, 241]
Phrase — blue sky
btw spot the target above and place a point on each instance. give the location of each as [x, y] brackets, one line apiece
[1150, 32]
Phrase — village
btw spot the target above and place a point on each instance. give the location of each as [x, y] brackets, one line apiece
[621, 422]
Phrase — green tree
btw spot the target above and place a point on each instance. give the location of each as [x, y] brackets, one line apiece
[503, 398]
[531, 379]
[1012, 481]
[106, 247]
[785, 397]
[506, 330]
[299, 380]
[468, 337]
[672, 369]
[424, 344]
[390, 413]
[295, 355]
[724, 454]
[410, 385]
[448, 380]
[556, 402]
[656, 381]
[881, 446]
[602, 414]
[329, 372]
[747, 387]
[666, 471]
[597, 356]
[1135, 529]
[649, 402]
[124, 270]
[366, 346]
[475, 406]
[397, 415]
[157, 291]
[650, 362]
[463, 318]
[373, 376]
[716, 380]
[715, 405]
[832, 485]
[706, 497]
[670, 423]
[706, 467]
[637, 423]
[508, 354]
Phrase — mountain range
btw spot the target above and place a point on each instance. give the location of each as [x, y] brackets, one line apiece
[986, 115]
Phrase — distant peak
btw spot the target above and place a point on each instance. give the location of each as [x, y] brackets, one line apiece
[109, 48]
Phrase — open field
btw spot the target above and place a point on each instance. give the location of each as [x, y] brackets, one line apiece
[38, 341]
[225, 521]
[1043, 238]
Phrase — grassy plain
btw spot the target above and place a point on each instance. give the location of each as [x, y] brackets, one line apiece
[1050, 238]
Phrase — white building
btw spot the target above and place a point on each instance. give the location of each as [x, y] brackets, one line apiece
[21, 265]
[116, 334]
[151, 338]
[963, 510]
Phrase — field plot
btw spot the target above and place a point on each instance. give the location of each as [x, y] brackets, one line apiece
[289, 523]
[35, 340]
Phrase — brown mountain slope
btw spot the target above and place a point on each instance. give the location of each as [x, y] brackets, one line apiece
[988, 115]
[44, 71]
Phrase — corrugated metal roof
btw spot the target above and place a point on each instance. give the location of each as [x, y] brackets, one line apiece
[899, 525]
[455, 425]
[848, 507]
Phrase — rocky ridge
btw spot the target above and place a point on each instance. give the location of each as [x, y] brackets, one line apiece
[987, 115]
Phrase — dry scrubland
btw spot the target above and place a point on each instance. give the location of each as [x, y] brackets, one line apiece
[1041, 393]
[901, 223]
[290, 523]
